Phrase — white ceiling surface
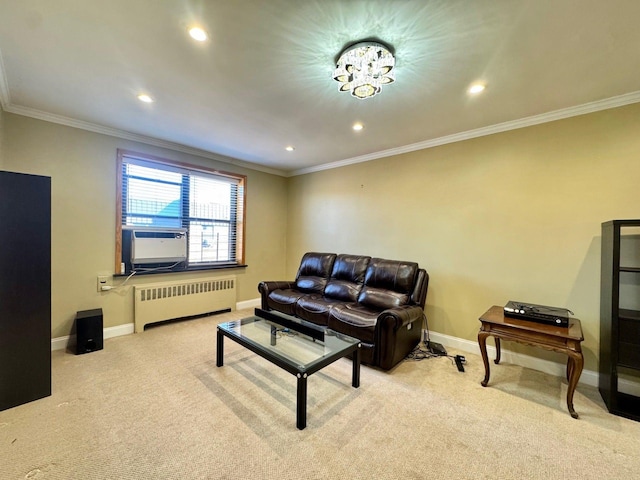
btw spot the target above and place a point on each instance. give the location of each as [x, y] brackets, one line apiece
[263, 79]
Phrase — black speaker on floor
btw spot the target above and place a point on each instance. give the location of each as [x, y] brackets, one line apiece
[89, 331]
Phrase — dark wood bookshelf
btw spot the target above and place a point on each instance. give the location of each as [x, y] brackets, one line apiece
[25, 288]
[619, 327]
[629, 314]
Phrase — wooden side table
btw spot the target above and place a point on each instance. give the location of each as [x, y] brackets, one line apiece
[550, 337]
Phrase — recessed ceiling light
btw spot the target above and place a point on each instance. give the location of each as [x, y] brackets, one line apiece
[289, 148]
[198, 34]
[143, 97]
[476, 88]
[357, 127]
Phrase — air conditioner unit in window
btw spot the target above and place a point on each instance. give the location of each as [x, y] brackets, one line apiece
[158, 245]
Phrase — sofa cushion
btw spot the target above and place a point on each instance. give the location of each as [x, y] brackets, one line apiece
[315, 269]
[355, 320]
[284, 300]
[381, 299]
[347, 277]
[314, 308]
[388, 283]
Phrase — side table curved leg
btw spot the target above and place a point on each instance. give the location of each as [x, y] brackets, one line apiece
[497, 360]
[577, 362]
[570, 367]
[482, 341]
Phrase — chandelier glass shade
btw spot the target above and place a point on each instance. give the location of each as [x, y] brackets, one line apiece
[363, 68]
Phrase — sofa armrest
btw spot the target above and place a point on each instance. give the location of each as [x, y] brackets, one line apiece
[265, 288]
[398, 317]
[398, 332]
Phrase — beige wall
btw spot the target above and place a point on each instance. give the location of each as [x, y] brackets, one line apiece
[82, 166]
[511, 216]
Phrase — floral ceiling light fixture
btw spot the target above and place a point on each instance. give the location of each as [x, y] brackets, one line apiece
[363, 67]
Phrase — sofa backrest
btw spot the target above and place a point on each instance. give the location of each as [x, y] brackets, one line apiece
[419, 295]
[388, 283]
[347, 277]
[315, 269]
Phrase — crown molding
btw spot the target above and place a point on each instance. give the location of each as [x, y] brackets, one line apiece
[613, 102]
[7, 106]
[114, 132]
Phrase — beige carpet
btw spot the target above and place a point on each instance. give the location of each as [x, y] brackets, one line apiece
[155, 406]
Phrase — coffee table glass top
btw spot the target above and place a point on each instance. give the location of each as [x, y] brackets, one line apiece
[290, 342]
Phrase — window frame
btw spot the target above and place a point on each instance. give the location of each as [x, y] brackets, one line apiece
[240, 219]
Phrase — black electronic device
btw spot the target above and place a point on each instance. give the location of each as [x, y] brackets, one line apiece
[436, 348]
[89, 331]
[538, 313]
[460, 360]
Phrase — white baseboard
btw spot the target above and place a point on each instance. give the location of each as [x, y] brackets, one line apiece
[588, 377]
[253, 303]
[61, 343]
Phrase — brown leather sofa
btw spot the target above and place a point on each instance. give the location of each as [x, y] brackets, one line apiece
[380, 302]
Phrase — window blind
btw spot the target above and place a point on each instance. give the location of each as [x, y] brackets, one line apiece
[208, 204]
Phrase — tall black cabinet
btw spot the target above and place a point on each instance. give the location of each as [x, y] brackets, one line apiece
[620, 314]
[25, 288]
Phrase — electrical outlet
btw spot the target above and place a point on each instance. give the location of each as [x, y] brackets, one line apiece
[103, 281]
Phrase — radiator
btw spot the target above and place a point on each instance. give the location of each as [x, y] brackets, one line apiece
[157, 302]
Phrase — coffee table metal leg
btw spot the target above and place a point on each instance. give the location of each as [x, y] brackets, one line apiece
[355, 375]
[219, 349]
[301, 409]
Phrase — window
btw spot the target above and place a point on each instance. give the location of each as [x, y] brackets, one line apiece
[207, 203]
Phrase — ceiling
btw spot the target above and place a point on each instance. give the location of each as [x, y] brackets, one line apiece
[262, 81]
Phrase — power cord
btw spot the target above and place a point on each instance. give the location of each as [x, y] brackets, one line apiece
[429, 349]
[426, 328]
[423, 351]
[420, 353]
[285, 332]
[106, 288]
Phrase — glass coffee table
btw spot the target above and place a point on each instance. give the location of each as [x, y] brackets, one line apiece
[297, 346]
